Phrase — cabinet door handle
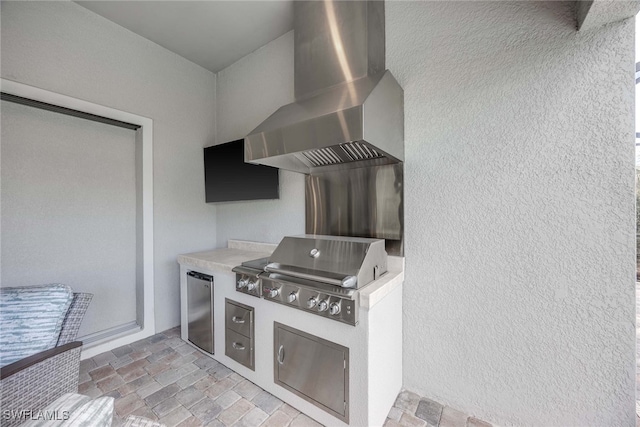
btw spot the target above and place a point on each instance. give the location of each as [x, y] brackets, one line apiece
[281, 355]
[237, 346]
[236, 319]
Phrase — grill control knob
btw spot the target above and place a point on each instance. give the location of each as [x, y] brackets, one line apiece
[272, 292]
[292, 297]
[334, 308]
[242, 283]
[312, 302]
[251, 286]
[323, 305]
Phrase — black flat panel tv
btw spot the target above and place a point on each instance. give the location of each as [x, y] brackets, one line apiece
[228, 178]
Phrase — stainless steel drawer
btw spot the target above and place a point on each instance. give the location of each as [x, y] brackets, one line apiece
[239, 348]
[239, 318]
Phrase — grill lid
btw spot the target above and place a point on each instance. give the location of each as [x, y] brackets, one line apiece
[349, 262]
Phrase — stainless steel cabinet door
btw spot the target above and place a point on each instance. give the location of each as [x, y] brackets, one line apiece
[200, 310]
[313, 368]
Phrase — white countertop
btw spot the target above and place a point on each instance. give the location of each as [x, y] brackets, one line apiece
[238, 251]
[375, 291]
[224, 259]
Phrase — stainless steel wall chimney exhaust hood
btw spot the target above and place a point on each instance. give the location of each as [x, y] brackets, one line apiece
[349, 111]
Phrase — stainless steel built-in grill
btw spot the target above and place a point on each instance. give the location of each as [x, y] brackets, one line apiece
[316, 274]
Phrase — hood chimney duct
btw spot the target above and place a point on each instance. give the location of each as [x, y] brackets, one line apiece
[336, 42]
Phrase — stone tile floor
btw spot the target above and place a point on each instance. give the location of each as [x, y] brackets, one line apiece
[167, 380]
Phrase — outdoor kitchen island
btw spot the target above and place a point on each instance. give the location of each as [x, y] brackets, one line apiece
[373, 366]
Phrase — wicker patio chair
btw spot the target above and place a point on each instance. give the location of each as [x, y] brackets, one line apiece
[35, 381]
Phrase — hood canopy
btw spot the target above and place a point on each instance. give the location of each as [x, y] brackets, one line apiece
[348, 111]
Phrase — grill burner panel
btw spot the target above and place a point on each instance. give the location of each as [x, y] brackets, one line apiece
[247, 276]
[310, 299]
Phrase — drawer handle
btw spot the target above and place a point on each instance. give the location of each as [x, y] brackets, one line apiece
[281, 355]
[236, 319]
[237, 346]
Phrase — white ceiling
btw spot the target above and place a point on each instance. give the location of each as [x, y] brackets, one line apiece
[213, 34]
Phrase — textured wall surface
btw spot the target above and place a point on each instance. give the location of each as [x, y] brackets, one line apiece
[519, 204]
[247, 93]
[594, 14]
[55, 226]
[65, 48]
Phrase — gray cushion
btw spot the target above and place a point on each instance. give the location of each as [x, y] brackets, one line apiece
[31, 319]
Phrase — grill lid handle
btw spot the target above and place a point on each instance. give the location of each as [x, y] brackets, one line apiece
[343, 282]
[349, 282]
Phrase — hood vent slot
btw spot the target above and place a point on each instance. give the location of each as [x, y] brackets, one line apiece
[322, 157]
[357, 151]
[341, 153]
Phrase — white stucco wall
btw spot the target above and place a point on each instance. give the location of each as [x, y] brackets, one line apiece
[519, 204]
[65, 48]
[247, 93]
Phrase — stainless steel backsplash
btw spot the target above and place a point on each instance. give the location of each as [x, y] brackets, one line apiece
[362, 202]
